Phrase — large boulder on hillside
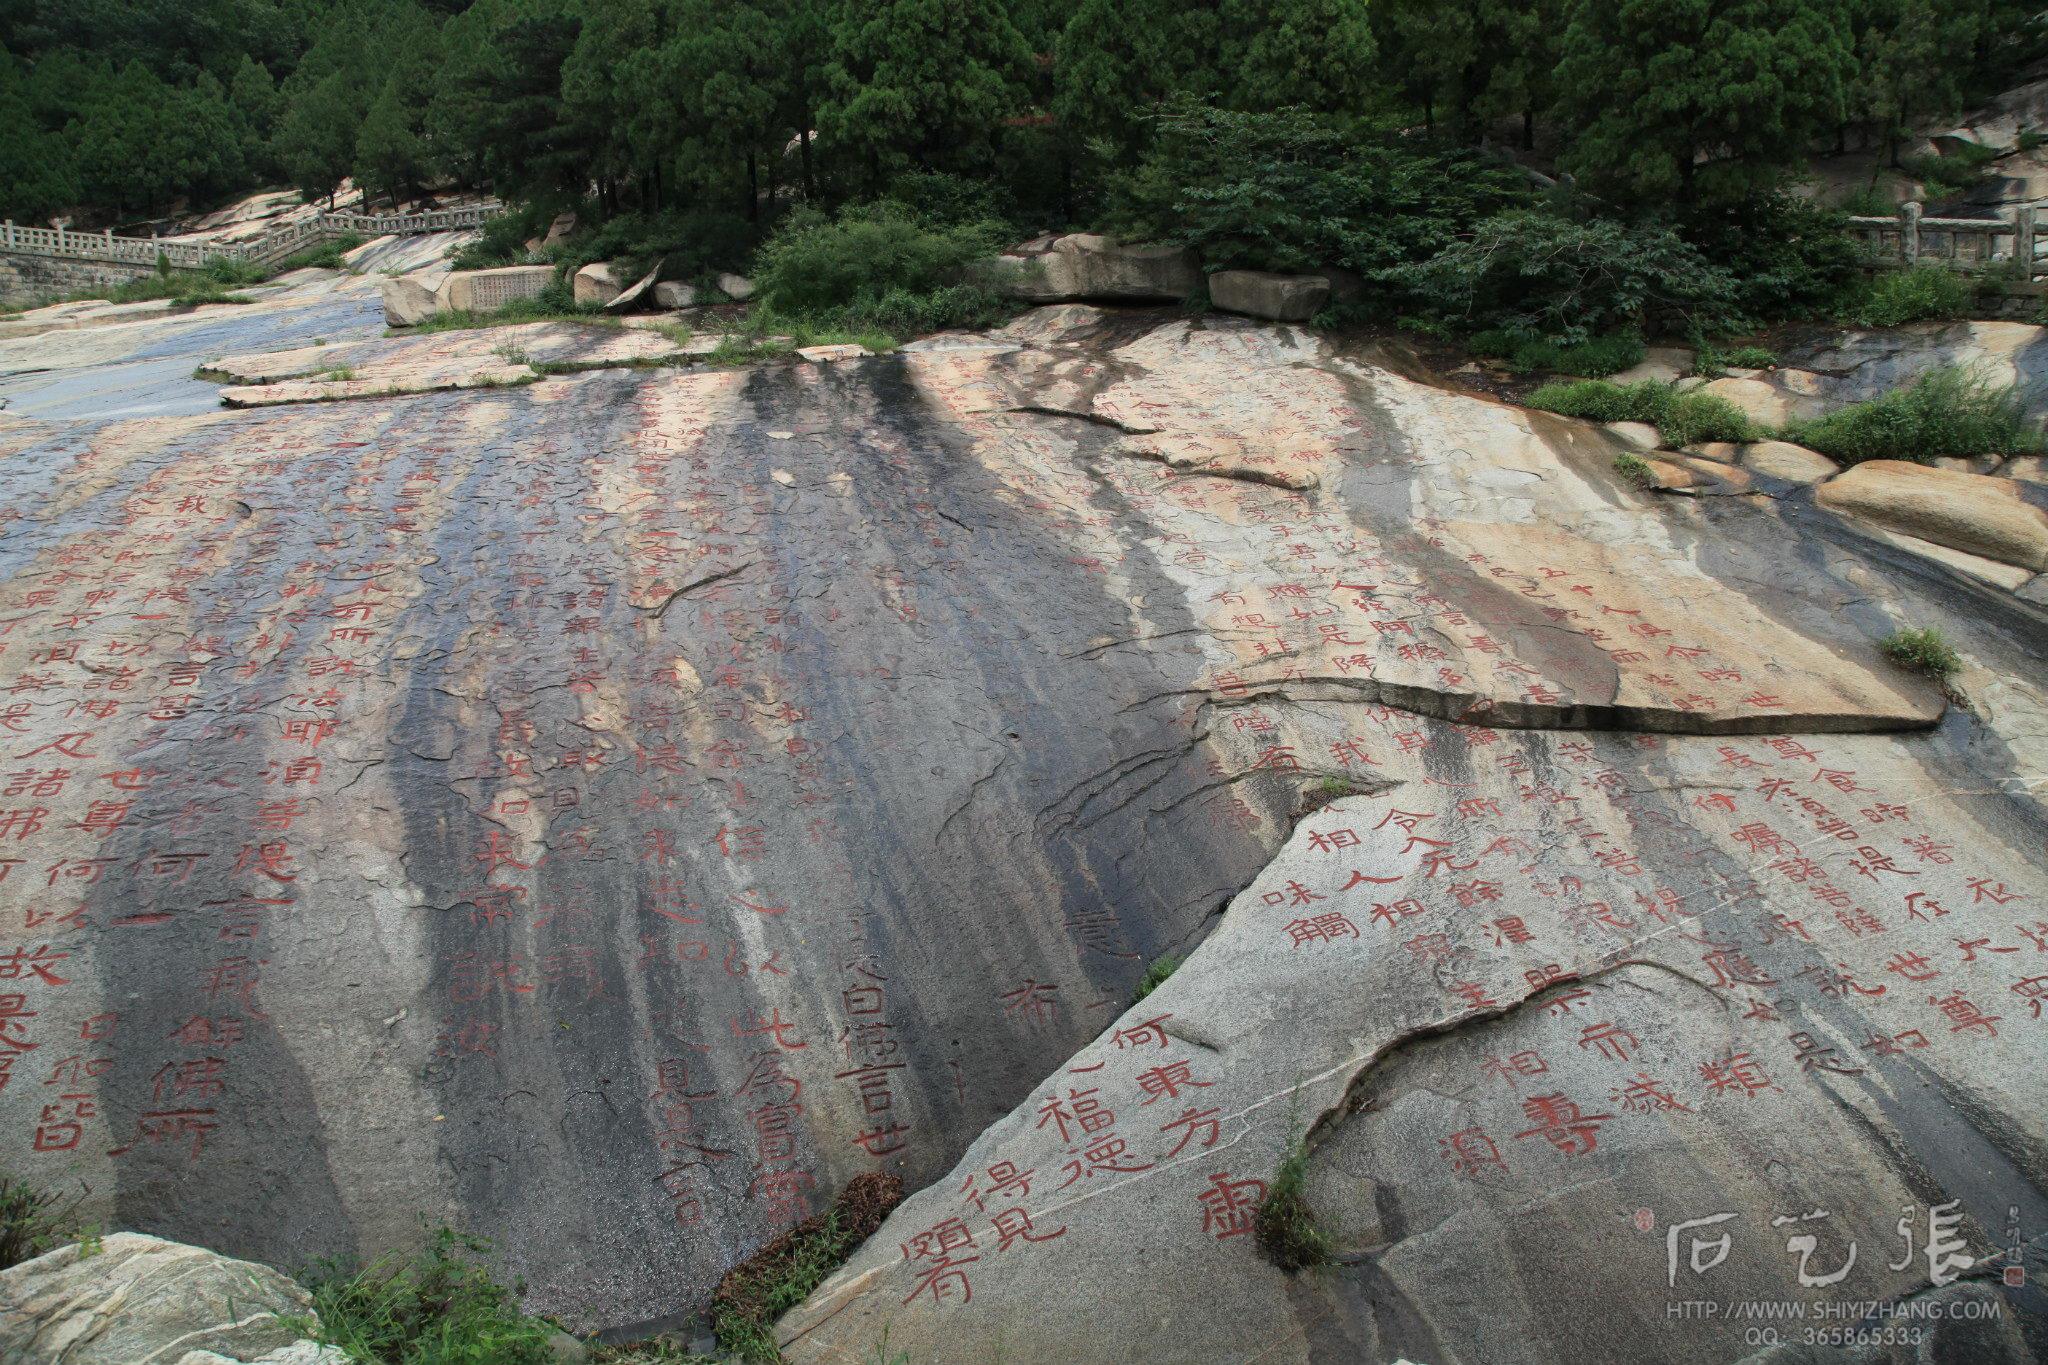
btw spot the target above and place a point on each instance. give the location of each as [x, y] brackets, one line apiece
[1792, 463]
[598, 284]
[486, 291]
[139, 1300]
[1085, 265]
[1769, 402]
[675, 294]
[1975, 513]
[738, 288]
[1263, 294]
[410, 299]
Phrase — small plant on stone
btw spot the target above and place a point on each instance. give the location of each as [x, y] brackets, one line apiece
[340, 374]
[442, 1305]
[1285, 1225]
[1155, 975]
[1635, 469]
[782, 1274]
[31, 1222]
[1924, 651]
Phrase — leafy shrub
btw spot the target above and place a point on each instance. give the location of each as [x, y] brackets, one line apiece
[1546, 276]
[1924, 651]
[1895, 297]
[441, 1307]
[1682, 418]
[1710, 361]
[1951, 172]
[1868, 201]
[1595, 359]
[1947, 412]
[1695, 418]
[941, 199]
[689, 244]
[1289, 190]
[877, 270]
[1596, 400]
[1785, 256]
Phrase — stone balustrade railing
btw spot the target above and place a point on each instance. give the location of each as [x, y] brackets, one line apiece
[268, 249]
[1963, 243]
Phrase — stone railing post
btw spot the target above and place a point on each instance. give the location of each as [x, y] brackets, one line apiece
[10, 232]
[1909, 232]
[2023, 240]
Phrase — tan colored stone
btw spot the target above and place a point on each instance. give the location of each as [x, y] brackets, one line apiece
[633, 293]
[1263, 294]
[139, 1300]
[410, 299]
[597, 284]
[1974, 513]
[1722, 452]
[1085, 265]
[2026, 468]
[1763, 402]
[738, 288]
[486, 291]
[1783, 460]
[1635, 435]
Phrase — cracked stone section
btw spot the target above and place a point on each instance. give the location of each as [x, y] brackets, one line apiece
[1537, 1008]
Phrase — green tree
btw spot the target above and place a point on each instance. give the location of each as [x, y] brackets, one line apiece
[1701, 100]
[924, 83]
[315, 141]
[1914, 61]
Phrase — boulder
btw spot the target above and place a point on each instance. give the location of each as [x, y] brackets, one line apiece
[738, 288]
[675, 294]
[1635, 435]
[1665, 364]
[598, 284]
[1767, 403]
[2030, 468]
[564, 224]
[1783, 460]
[635, 292]
[1723, 452]
[298, 1353]
[1084, 265]
[1975, 513]
[140, 1300]
[410, 299]
[1262, 294]
[825, 355]
[486, 291]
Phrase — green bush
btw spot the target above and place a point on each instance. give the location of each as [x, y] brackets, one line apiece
[1635, 469]
[1785, 257]
[442, 1307]
[30, 1221]
[1595, 359]
[690, 244]
[1868, 201]
[1596, 400]
[1682, 418]
[1924, 651]
[1893, 298]
[502, 239]
[1946, 412]
[877, 270]
[1290, 190]
[1952, 172]
[1546, 276]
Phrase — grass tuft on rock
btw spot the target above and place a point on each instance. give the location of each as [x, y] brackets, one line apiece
[31, 1222]
[1285, 1225]
[1924, 651]
[782, 1274]
[1155, 975]
[1953, 411]
[1593, 359]
[1892, 298]
[1635, 469]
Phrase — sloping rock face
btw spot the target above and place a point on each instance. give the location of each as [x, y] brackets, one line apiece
[615, 813]
[136, 1300]
[1998, 519]
[1260, 294]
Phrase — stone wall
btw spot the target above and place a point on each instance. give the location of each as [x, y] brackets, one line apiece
[25, 279]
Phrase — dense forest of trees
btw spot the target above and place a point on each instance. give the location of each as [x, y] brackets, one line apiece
[116, 109]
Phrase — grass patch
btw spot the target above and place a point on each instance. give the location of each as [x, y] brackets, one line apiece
[1923, 651]
[1952, 411]
[1635, 469]
[1595, 359]
[341, 374]
[1285, 1225]
[1682, 418]
[326, 256]
[1710, 361]
[441, 1306]
[1892, 298]
[1951, 172]
[782, 1274]
[32, 1221]
[1156, 974]
[740, 350]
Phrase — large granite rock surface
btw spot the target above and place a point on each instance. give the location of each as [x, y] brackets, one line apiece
[611, 814]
